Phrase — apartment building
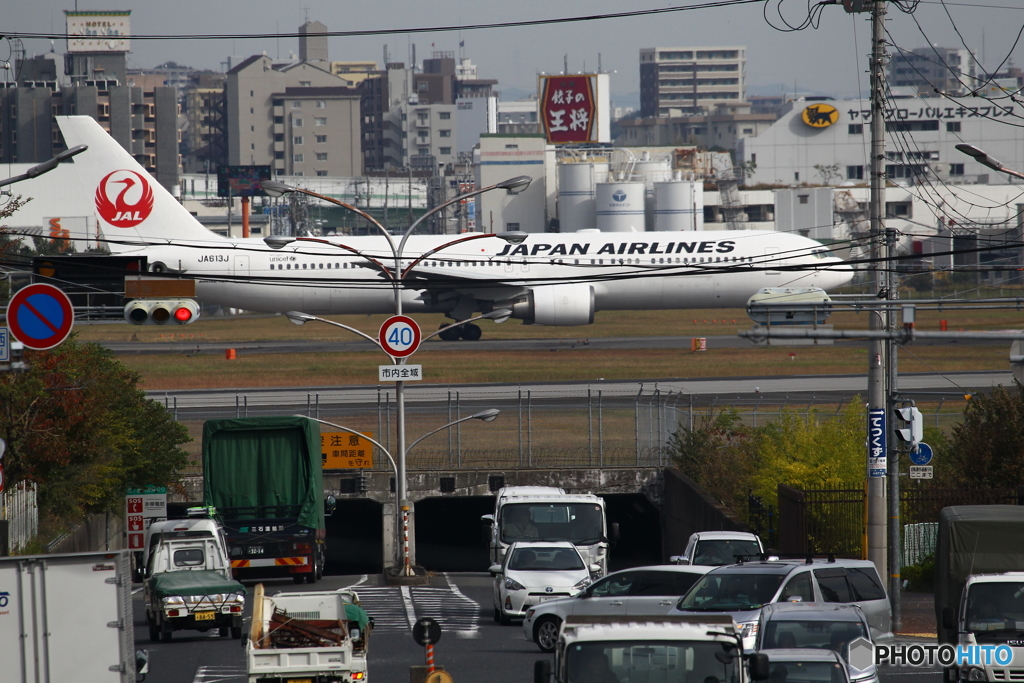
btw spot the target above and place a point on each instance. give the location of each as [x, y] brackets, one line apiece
[926, 69]
[691, 81]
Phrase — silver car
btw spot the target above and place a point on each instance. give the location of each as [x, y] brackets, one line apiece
[822, 626]
[741, 590]
[641, 591]
[717, 548]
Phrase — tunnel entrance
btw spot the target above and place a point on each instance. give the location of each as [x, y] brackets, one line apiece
[639, 530]
[448, 536]
[355, 538]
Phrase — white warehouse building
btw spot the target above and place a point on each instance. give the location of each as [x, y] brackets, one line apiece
[827, 142]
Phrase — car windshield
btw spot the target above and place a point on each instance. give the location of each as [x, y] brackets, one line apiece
[580, 523]
[725, 592]
[545, 559]
[822, 634]
[719, 551]
[806, 672]
[189, 557]
[657, 661]
[995, 608]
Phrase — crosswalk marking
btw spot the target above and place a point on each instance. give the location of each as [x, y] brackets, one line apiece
[219, 674]
[395, 609]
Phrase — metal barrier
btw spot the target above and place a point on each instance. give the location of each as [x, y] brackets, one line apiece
[18, 506]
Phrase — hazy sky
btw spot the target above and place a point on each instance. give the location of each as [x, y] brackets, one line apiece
[828, 60]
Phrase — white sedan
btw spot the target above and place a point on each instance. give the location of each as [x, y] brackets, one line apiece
[534, 572]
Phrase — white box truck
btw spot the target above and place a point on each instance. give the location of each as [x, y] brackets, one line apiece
[319, 637]
[68, 618]
[547, 513]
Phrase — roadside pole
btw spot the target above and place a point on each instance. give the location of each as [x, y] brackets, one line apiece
[876, 502]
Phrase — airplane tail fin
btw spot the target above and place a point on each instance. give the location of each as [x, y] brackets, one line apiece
[132, 208]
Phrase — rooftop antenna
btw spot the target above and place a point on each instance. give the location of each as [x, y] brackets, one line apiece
[565, 64]
[599, 63]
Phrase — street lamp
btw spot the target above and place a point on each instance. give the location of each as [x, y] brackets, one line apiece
[514, 185]
[46, 166]
[488, 415]
[985, 160]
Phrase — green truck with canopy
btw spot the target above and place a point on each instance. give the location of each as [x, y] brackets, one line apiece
[264, 477]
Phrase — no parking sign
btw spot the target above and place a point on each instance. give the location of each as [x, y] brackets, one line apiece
[40, 316]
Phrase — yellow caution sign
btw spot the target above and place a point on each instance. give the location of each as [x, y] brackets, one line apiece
[440, 677]
[345, 450]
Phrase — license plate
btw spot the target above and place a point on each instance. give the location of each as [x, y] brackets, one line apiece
[545, 598]
[300, 680]
[205, 616]
[255, 550]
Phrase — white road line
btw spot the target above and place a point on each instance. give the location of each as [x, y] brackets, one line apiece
[384, 604]
[136, 591]
[410, 610]
[360, 582]
[219, 674]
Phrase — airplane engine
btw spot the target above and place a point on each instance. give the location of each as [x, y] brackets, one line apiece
[557, 305]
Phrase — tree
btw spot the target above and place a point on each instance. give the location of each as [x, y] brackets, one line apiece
[828, 173]
[77, 425]
[987, 448]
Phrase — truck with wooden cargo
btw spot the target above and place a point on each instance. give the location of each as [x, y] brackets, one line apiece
[979, 586]
[68, 618]
[263, 475]
[319, 637]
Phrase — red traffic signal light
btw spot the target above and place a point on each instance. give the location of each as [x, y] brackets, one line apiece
[161, 311]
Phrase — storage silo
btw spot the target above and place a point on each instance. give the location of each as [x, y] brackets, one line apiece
[576, 206]
[678, 205]
[651, 171]
[620, 206]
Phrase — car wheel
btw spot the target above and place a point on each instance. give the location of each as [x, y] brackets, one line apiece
[236, 632]
[299, 578]
[545, 633]
[224, 631]
[505, 619]
[154, 630]
[497, 615]
[165, 633]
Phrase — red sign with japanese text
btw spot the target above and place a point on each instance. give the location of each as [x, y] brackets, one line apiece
[568, 108]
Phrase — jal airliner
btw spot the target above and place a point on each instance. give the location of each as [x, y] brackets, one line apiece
[546, 279]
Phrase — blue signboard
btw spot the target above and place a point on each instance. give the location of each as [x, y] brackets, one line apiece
[876, 443]
[922, 455]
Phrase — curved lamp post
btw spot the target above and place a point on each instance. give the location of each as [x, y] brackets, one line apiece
[488, 415]
[985, 160]
[46, 166]
[397, 274]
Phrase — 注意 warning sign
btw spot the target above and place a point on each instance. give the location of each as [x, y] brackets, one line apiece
[345, 450]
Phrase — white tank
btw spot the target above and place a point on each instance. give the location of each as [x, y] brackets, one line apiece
[651, 171]
[620, 207]
[678, 205]
[576, 208]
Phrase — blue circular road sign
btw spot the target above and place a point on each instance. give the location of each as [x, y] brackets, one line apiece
[40, 316]
[921, 456]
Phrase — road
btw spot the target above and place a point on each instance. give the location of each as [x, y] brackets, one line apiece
[473, 648]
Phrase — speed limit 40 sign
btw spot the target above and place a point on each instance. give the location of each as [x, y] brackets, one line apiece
[399, 336]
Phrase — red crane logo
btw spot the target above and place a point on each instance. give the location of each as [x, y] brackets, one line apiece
[124, 198]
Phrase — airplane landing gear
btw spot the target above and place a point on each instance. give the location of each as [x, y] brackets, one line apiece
[449, 333]
[468, 332]
[471, 332]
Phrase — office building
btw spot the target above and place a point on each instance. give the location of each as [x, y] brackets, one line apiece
[690, 81]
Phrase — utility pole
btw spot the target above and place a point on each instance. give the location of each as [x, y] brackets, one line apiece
[877, 395]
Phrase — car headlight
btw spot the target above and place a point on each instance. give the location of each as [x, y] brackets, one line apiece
[530, 613]
[583, 583]
[236, 597]
[173, 601]
[748, 630]
[513, 585]
[975, 674]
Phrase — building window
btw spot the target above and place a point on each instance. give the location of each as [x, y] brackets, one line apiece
[319, 120]
[305, 84]
[952, 126]
[422, 86]
[444, 115]
[511, 146]
[279, 119]
[252, 93]
[956, 169]
[297, 140]
[321, 156]
[444, 133]
[855, 173]
[802, 198]
[297, 158]
[279, 155]
[855, 129]
[297, 173]
[446, 150]
[511, 226]
[321, 173]
[278, 137]
[252, 110]
[252, 146]
[297, 123]
[898, 210]
[321, 104]
[796, 176]
[423, 150]
[748, 131]
[296, 104]
[422, 133]
[321, 138]
[252, 129]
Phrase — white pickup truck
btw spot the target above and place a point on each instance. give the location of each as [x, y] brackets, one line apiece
[600, 649]
[319, 637]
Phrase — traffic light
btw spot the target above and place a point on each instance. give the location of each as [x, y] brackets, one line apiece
[913, 433]
[161, 311]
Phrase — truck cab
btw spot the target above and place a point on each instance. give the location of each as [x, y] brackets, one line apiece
[544, 513]
[991, 612]
[604, 649]
[188, 584]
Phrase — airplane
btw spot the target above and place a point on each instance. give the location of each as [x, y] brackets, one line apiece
[546, 279]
